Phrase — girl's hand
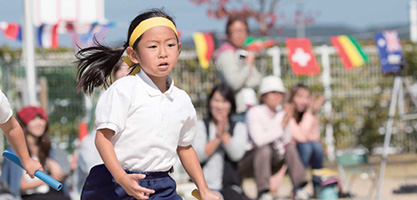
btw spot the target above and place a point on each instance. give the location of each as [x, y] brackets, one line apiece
[56, 171]
[209, 195]
[222, 123]
[31, 166]
[317, 102]
[130, 183]
[250, 58]
[289, 113]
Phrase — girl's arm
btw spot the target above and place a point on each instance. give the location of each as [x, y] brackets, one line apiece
[26, 185]
[129, 182]
[56, 173]
[296, 132]
[309, 126]
[315, 135]
[190, 162]
[212, 146]
[16, 138]
[56, 170]
[235, 146]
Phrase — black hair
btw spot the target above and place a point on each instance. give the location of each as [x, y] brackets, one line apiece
[95, 64]
[234, 18]
[228, 93]
[43, 142]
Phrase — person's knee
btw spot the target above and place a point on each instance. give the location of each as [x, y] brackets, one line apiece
[264, 152]
[317, 148]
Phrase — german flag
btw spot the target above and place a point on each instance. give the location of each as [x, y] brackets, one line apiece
[204, 45]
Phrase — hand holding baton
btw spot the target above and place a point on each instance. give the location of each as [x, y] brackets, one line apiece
[40, 174]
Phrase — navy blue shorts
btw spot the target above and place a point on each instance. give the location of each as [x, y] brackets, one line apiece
[100, 184]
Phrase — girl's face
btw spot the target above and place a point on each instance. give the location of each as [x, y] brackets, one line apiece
[37, 126]
[272, 99]
[220, 106]
[301, 99]
[157, 51]
[237, 33]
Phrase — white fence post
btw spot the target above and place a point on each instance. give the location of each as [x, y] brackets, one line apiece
[275, 53]
[29, 53]
[413, 20]
[326, 78]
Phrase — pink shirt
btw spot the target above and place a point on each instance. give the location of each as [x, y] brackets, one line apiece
[307, 130]
[265, 126]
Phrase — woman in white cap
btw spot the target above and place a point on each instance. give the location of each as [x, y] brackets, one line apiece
[267, 124]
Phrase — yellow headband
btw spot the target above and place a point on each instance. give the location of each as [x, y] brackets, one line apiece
[141, 28]
[148, 24]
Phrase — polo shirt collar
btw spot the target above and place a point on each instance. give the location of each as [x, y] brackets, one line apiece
[152, 89]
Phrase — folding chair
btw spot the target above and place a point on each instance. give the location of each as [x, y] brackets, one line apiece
[355, 161]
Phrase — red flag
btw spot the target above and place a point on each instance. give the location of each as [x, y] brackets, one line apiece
[301, 56]
[82, 130]
[11, 30]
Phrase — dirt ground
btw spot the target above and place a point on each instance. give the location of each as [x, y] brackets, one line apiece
[401, 170]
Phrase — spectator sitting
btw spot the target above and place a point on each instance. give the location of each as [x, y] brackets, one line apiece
[220, 144]
[34, 122]
[267, 129]
[304, 126]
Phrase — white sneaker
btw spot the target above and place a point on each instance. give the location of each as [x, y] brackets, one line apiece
[266, 196]
[301, 195]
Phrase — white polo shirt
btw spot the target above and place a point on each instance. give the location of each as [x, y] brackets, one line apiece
[5, 110]
[148, 125]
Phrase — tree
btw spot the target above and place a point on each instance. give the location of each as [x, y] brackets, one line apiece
[264, 15]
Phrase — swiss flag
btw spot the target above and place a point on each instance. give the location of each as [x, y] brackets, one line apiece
[301, 57]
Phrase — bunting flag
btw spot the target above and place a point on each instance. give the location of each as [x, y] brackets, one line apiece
[204, 45]
[301, 56]
[48, 36]
[349, 51]
[390, 51]
[82, 130]
[97, 31]
[75, 38]
[11, 30]
[255, 43]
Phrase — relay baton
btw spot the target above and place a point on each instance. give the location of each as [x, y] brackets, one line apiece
[40, 174]
[196, 194]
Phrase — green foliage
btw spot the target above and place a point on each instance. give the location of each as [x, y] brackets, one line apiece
[374, 119]
[65, 104]
[8, 55]
[410, 68]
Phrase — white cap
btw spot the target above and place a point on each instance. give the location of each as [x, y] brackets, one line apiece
[271, 84]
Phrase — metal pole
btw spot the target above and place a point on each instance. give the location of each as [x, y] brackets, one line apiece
[29, 52]
[391, 114]
[413, 20]
[327, 79]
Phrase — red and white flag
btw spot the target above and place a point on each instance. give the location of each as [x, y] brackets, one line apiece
[301, 56]
[48, 36]
[11, 30]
